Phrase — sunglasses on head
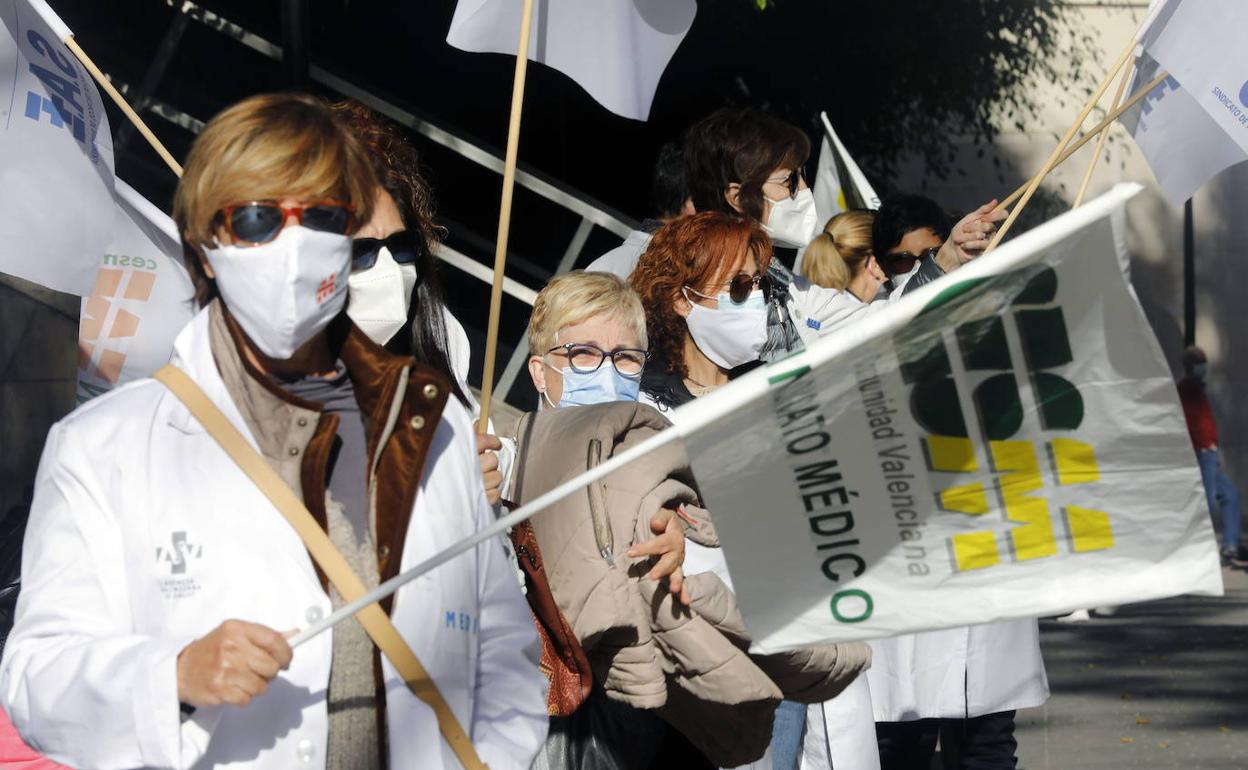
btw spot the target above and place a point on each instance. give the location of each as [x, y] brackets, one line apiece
[903, 261]
[257, 222]
[405, 248]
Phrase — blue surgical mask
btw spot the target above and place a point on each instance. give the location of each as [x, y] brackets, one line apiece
[1200, 371]
[756, 301]
[601, 386]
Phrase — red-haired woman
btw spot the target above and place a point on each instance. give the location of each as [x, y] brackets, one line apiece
[699, 281]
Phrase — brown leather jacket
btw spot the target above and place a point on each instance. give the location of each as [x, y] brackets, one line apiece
[401, 402]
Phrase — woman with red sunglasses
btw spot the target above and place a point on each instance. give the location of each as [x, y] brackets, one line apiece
[160, 583]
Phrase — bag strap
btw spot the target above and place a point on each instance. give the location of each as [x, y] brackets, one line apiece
[374, 619]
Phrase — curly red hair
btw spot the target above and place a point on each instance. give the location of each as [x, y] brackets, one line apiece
[701, 251]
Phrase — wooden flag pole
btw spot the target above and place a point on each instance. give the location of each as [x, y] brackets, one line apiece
[121, 102]
[504, 215]
[1049, 164]
[1099, 127]
[1103, 135]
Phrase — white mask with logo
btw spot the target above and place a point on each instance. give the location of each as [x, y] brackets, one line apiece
[381, 296]
[282, 293]
[793, 221]
[730, 335]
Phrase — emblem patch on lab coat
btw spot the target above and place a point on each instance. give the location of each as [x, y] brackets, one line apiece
[175, 563]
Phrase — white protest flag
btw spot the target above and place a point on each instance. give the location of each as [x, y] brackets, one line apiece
[140, 301]
[840, 184]
[1194, 124]
[614, 49]
[1006, 442]
[56, 155]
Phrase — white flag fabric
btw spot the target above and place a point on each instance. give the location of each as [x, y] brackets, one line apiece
[840, 184]
[1006, 442]
[140, 301]
[614, 49]
[56, 155]
[1193, 125]
[1201, 43]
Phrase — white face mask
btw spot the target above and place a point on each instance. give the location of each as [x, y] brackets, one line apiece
[730, 335]
[287, 290]
[381, 296]
[793, 221]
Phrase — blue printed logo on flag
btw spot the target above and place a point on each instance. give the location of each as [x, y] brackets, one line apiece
[812, 323]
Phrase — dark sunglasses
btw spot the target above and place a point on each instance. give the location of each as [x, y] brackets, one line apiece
[903, 261]
[794, 178]
[405, 248]
[256, 222]
[742, 285]
[739, 288]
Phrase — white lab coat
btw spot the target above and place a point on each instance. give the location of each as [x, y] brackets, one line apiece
[144, 535]
[818, 311]
[459, 356]
[621, 260]
[958, 672]
[840, 733]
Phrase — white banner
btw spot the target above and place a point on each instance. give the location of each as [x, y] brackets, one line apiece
[1003, 443]
[614, 49]
[140, 301]
[1201, 43]
[56, 155]
[1194, 125]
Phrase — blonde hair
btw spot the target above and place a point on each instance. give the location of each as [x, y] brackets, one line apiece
[263, 148]
[840, 251]
[577, 296]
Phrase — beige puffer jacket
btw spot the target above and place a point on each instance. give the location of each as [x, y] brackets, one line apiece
[690, 664]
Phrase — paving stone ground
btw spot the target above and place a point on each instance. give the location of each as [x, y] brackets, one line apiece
[1157, 685]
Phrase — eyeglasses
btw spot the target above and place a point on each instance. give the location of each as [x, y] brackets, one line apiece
[739, 288]
[585, 358]
[256, 222]
[903, 261]
[405, 248]
[791, 181]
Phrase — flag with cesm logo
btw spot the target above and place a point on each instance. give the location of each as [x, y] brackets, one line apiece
[1004, 443]
[56, 155]
[1193, 125]
[140, 301]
